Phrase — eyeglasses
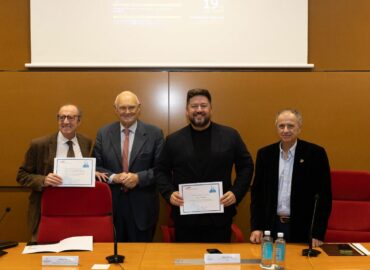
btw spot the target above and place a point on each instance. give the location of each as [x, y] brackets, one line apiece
[127, 108]
[68, 117]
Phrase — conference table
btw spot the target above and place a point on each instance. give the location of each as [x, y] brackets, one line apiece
[162, 256]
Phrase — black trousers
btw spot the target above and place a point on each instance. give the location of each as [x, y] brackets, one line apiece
[124, 222]
[203, 234]
[281, 227]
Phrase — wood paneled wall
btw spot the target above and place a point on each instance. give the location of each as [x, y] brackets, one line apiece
[333, 97]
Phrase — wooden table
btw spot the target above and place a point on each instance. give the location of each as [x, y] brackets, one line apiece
[161, 256]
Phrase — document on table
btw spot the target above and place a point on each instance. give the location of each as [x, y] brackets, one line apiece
[201, 198]
[76, 172]
[71, 243]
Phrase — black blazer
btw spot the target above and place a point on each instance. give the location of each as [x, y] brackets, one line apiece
[311, 175]
[145, 151]
[176, 166]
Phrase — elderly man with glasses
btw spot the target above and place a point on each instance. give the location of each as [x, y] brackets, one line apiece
[36, 171]
[127, 151]
[292, 178]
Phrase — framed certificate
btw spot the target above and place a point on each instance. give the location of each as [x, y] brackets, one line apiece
[201, 198]
[76, 172]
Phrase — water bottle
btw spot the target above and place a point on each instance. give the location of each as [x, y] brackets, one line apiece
[280, 251]
[266, 250]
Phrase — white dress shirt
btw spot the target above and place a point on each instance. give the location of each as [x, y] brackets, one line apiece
[132, 129]
[62, 146]
[285, 181]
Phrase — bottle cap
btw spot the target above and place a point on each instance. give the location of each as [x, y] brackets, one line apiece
[267, 232]
[280, 234]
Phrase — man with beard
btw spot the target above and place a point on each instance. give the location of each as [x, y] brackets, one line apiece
[127, 151]
[203, 151]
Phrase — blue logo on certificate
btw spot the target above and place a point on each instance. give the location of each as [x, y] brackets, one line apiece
[85, 165]
[212, 190]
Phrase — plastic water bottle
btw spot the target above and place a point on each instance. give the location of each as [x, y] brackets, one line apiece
[280, 251]
[266, 250]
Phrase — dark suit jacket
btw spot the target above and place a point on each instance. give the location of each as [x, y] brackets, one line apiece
[39, 162]
[147, 145]
[176, 166]
[311, 175]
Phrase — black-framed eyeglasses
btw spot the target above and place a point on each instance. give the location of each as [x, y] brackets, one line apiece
[68, 117]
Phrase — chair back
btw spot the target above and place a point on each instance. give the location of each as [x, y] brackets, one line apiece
[349, 220]
[76, 211]
[168, 230]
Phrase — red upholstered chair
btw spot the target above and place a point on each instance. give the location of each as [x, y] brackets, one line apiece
[168, 230]
[76, 211]
[350, 217]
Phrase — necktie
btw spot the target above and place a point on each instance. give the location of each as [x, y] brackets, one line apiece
[70, 152]
[125, 150]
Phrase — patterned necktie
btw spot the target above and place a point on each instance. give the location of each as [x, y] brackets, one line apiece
[125, 150]
[70, 152]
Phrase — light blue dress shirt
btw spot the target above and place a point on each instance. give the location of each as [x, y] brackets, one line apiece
[285, 180]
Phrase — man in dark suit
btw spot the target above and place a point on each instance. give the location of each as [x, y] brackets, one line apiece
[204, 151]
[127, 151]
[37, 169]
[289, 175]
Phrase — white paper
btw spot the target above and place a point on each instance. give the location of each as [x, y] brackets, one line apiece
[361, 248]
[225, 258]
[71, 243]
[100, 266]
[201, 198]
[76, 172]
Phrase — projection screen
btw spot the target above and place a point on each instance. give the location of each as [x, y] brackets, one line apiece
[169, 33]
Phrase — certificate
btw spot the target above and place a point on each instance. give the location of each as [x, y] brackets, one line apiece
[75, 172]
[201, 198]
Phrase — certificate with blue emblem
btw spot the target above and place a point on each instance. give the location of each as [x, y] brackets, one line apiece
[201, 198]
[76, 172]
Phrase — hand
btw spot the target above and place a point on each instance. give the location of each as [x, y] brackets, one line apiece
[228, 199]
[52, 180]
[119, 178]
[129, 180]
[256, 237]
[316, 242]
[176, 199]
[102, 177]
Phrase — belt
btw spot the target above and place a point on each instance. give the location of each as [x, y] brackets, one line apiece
[284, 219]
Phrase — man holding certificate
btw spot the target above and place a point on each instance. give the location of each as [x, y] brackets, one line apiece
[194, 174]
[36, 171]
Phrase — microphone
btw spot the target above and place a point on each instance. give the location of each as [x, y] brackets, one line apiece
[115, 258]
[6, 244]
[310, 251]
[7, 210]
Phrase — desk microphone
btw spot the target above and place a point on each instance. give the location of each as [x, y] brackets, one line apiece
[6, 244]
[310, 251]
[115, 258]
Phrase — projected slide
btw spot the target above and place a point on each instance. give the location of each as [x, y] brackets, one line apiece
[169, 33]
